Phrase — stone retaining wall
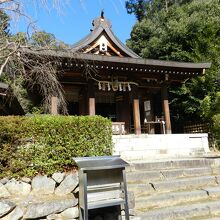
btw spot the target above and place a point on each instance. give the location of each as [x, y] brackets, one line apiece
[40, 198]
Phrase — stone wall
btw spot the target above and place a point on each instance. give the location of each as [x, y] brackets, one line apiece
[40, 198]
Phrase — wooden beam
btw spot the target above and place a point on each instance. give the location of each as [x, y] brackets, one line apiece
[91, 47]
[116, 51]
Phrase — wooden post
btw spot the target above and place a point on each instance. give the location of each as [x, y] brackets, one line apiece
[54, 105]
[91, 97]
[91, 106]
[136, 112]
[166, 109]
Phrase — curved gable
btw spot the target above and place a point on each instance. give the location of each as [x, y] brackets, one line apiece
[102, 41]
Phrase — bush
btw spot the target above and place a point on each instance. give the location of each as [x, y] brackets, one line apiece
[46, 144]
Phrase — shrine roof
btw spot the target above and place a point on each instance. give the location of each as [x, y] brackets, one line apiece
[102, 46]
[102, 27]
[77, 57]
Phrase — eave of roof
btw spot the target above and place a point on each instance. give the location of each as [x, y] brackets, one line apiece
[119, 60]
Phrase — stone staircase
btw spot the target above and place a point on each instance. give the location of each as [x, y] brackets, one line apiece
[176, 189]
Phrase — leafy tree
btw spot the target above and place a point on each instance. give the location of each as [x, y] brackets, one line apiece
[136, 7]
[187, 31]
[44, 39]
[141, 8]
[41, 38]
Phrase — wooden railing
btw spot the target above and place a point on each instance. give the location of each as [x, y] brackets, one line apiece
[196, 128]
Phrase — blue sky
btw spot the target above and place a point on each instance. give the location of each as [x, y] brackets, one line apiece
[74, 20]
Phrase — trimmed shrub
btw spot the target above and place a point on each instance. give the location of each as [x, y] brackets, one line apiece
[46, 144]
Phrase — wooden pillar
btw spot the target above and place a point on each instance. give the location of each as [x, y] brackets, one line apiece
[54, 105]
[136, 110]
[137, 121]
[91, 106]
[166, 109]
[91, 98]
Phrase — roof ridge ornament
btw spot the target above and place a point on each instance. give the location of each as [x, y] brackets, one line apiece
[101, 21]
[102, 14]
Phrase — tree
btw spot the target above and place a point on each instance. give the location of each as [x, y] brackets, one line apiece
[42, 39]
[189, 32]
[136, 7]
[4, 23]
[142, 8]
[17, 67]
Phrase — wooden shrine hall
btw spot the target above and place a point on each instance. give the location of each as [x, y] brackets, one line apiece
[104, 77]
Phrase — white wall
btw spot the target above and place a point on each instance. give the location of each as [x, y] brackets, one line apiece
[171, 145]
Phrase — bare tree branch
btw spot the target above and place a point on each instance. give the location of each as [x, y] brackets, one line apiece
[35, 71]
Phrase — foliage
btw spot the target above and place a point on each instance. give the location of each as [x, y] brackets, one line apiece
[41, 38]
[187, 31]
[216, 129]
[136, 7]
[210, 107]
[24, 72]
[142, 8]
[27, 73]
[4, 23]
[46, 144]
[44, 39]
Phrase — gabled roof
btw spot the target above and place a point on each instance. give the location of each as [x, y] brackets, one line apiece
[102, 33]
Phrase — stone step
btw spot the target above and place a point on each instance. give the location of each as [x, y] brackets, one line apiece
[207, 217]
[173, 185]
[189, 211]
[176, 188]
[175, 198]
[146, 176]
[134, 155]
[140, 146]
[185, 183]
[211, 218]
[144, 153]
[172, 164]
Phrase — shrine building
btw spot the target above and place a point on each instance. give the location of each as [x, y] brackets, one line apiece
[102, 76]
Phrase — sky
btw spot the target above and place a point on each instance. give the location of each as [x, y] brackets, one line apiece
[73, 20]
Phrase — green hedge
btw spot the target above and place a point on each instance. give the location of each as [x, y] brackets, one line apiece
[46, 144]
